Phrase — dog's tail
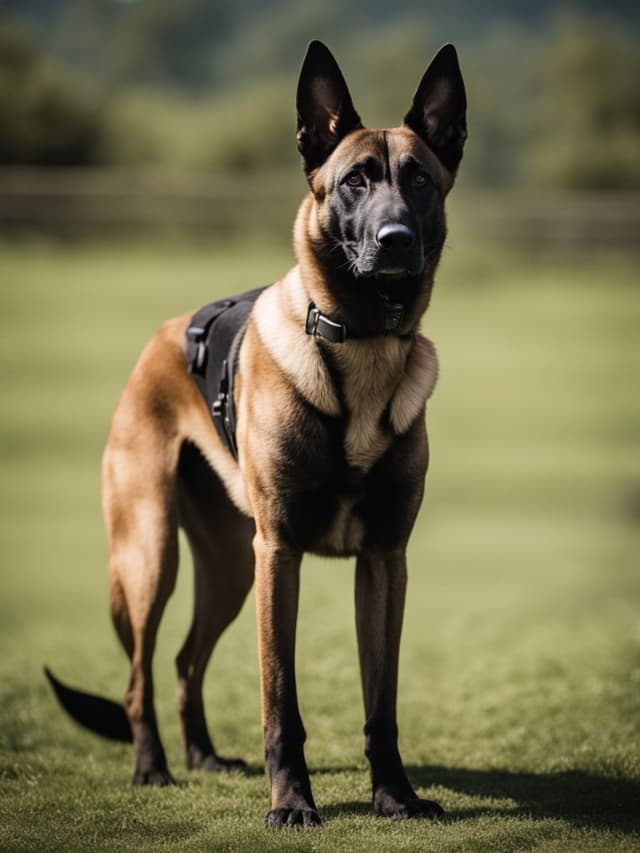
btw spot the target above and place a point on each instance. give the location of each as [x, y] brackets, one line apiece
[99, 715]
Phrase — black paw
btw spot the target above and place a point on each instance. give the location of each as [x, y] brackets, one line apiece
[293, 817]
[216, 764]
[161, 778]
[404, 808]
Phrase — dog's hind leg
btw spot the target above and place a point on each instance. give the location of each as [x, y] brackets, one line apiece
[141, 518]
[220, 538]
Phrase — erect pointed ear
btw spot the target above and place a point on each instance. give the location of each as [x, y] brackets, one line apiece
[325, 109]
[438, 111]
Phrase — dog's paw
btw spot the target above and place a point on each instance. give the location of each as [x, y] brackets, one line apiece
[293, 817]
[404, 808]
[217, 764]
[161, 778]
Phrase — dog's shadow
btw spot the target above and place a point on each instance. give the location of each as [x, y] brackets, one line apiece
[583, 799]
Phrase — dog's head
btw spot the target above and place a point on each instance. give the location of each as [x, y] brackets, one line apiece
[378, 212]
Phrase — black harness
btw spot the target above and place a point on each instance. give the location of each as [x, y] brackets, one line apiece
[214, 336]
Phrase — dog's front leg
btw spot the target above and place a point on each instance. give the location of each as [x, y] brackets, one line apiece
[277, 587]
[380, 592]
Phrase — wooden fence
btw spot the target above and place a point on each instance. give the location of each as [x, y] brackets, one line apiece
[90, 202]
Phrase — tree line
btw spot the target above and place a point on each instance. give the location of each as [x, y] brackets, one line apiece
[207, 86]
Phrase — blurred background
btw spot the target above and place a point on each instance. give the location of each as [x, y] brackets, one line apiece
[121, 114]
[147, 166]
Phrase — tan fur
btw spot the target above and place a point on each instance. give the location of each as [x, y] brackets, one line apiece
[280, 314]
[416, 385]
[372, 372]
[345, 534]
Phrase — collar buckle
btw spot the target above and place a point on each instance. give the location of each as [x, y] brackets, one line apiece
[393, 313]
[318, 324]
[313, 318]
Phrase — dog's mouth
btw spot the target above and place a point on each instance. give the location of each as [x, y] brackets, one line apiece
[394, 272]
[371, 263]
[386, 271]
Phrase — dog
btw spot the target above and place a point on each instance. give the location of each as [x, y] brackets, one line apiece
[319, 446]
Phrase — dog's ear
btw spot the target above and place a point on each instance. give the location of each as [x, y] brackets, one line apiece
[438, 111]
[325, 110]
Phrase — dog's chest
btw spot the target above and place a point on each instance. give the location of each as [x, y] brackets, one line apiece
[325, 506]
[326, 517]
[368, 376]
[327, 461]
[345, 534]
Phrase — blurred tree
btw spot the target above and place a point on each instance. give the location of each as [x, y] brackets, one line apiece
[384, 70]
[497, 74]
[47, 116]
[211, 85]
[271, 37]
[84, 32]
[161, 42]
[229, 42]
[39, 15]
[586, 113]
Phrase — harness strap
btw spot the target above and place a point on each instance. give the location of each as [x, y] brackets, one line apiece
[213, 341]
[214, 336]
[198, 332]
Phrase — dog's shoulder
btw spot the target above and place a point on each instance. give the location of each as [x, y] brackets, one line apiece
[279, 322]
[419, 378]
[159, 382]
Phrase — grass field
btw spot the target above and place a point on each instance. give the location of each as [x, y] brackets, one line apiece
[519, 699]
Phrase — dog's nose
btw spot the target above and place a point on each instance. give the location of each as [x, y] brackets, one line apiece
[395, 237]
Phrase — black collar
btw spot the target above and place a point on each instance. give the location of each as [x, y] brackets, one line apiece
[318, 324]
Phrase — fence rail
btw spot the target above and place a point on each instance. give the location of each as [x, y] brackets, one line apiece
[87, 202]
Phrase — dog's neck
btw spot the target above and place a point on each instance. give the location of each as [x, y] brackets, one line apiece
[399, 371]
[321, 326]
[361, 307]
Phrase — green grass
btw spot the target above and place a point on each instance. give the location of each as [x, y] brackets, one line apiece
[519, 691]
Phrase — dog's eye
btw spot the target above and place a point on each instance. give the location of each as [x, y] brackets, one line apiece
[420, 179]
[354, 179]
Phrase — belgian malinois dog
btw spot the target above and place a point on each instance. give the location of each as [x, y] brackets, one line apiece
[329, 453]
